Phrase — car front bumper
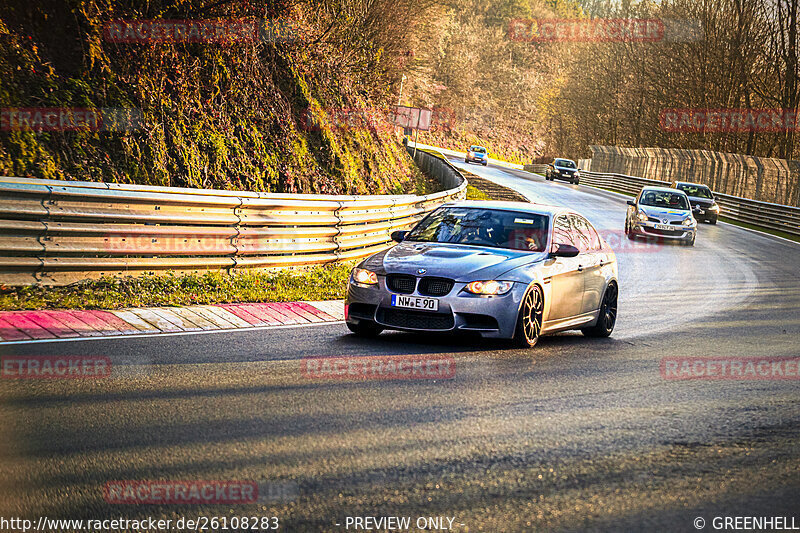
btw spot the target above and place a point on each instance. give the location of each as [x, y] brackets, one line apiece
[677, 232]
[491, 316]
[705, 214]
[563, 176]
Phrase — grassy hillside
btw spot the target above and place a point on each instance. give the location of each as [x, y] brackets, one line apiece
[228, 115]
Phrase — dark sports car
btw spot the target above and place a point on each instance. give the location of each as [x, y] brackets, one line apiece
[704, 206]
[563, 169]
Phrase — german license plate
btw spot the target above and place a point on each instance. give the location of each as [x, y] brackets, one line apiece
[415, 302]
[663, 226]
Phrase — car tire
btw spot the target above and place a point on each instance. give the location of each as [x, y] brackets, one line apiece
[484, 163]
[607, 318]
[529, 320]
[629, 231]
[365, 329]
[576, 182]
[713, 221]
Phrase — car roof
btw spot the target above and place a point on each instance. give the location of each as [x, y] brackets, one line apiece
[661, 189]
[564, 159]
[692, 184]
[537, 209]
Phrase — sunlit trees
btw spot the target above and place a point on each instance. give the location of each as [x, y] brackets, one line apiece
[717, 54]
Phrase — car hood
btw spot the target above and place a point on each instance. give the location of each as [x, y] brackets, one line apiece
[454, 261]
[701, 201]
[565, 169]
[663, 212]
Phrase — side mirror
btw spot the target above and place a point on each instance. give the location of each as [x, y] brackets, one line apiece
[632, 202]
[564, 250]
[398, 236]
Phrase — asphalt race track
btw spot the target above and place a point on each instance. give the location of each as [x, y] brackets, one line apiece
[576, 434]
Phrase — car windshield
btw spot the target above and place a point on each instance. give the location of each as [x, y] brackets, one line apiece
[666, 199]
[566, 163]
[484, 227]
[478, 149]
[698, 191]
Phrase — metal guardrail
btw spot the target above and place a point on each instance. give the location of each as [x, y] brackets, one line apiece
[536, 169]
[59, 232]
[767, 215]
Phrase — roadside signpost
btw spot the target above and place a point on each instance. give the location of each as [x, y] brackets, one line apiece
[411, 118]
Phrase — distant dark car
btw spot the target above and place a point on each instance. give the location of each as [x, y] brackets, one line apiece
[477, 154]
[704, 206]
[563, 169]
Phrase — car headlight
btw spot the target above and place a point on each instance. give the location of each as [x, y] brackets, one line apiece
[489, 287]
[688, 221]
[641, 217]
[364, 277]
[714, 207]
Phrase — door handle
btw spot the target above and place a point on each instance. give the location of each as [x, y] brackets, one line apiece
[580, 268]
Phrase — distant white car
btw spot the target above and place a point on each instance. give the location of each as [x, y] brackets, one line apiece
[661, 213]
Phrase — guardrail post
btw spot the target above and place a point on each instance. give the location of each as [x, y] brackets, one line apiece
[42, 238]
[337, 252]
[237, 212]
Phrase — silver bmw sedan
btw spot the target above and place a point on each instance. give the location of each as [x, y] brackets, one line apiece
[502, 269]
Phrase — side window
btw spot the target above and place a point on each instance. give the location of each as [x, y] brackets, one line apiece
[594, 237]
[579, 235]
[562, 232]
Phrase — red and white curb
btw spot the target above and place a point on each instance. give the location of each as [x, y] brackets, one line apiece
[18, 326]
